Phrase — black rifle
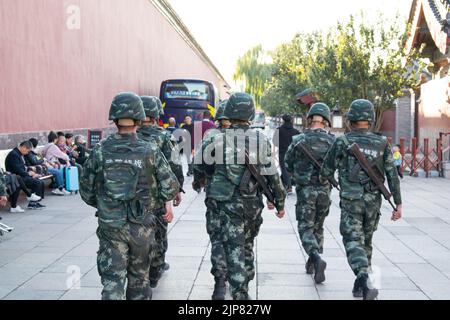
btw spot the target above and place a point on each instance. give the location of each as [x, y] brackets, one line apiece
[254, 171]
[365, 165]
[316, 163]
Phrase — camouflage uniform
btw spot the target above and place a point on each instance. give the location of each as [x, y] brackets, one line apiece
[2, 185]
[360, 199]
[313, 194]
[238, 211]
[168, 145]
[123, 178]
[218, 259]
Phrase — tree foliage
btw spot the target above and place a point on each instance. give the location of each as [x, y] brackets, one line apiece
[253, 69]
[350, 61]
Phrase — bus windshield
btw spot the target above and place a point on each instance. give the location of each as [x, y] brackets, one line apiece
[187, 91]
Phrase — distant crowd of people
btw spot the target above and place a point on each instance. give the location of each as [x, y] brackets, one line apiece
[27, 168]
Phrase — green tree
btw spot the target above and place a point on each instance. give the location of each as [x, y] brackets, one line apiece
[351, 60]
[255, 71]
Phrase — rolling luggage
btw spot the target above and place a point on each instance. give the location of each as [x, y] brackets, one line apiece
[72, 183]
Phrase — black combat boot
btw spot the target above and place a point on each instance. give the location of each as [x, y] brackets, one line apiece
[154, 276]
[357, 289]
[309, 266]
[165, 267]
[219, 289]
[242, 296]
[319, 268]
[368, 291]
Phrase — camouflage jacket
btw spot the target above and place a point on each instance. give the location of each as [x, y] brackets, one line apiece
[168, 145]
[318, 142]
[2, 184]
[226, 166]
[377, 151]
[126, 179]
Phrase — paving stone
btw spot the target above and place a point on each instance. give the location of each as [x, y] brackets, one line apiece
[83, 294]
[410, 258]
[287, 293]
[26, 294]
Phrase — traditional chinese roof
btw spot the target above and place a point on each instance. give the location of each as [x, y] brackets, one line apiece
[430, 23]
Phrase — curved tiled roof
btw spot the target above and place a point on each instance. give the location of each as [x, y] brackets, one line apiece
[437, 16]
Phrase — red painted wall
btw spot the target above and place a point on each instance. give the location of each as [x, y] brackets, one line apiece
[55, 78]
[389, 123]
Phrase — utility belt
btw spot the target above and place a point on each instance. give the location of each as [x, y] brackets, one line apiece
[366, 182]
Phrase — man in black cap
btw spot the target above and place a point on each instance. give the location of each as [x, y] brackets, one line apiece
[282, 138]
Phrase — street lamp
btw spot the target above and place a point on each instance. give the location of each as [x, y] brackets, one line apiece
[298, 120]
[337, 119]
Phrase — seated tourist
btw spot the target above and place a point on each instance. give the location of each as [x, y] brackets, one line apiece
[15, 164]
[15, 184]
[52, 152]
[70, 146]
[80, 147]
[33, 160]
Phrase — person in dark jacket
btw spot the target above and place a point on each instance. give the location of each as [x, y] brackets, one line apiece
[15, 164]
[282, 138]
[189, 127]
[80, 147]
[41, 166]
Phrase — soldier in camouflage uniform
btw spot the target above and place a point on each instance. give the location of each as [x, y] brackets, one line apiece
[218, 259]
[3, 198]
[222, 121]
[360, 198]
[150, 131]
[237, 204]
[124, 178]
[3, 194]
[313, 194]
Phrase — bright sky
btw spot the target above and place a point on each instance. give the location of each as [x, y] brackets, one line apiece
[226, 29]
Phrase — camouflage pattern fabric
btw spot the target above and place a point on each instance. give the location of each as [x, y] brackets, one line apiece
[167, 144]
[253, 222]
[125, 179]
[2, 184]
[252, 225]
[240, 106]
[213, 225]
[317, 141]
[238, 212]
[160, 246]
[124, 254]
[361, 110]
[213, 228]
[313, 206]
[359, 221]
[320, 109]
[239, 225]
[313, 194]
[360, 199]
[127, 105]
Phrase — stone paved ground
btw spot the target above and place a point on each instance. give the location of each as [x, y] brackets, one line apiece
[411, 257]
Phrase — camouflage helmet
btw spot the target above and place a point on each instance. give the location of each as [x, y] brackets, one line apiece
[320, 109]
[127, 105]
[240, 106]
[151, 106]
[220, 111]
[361, 110]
